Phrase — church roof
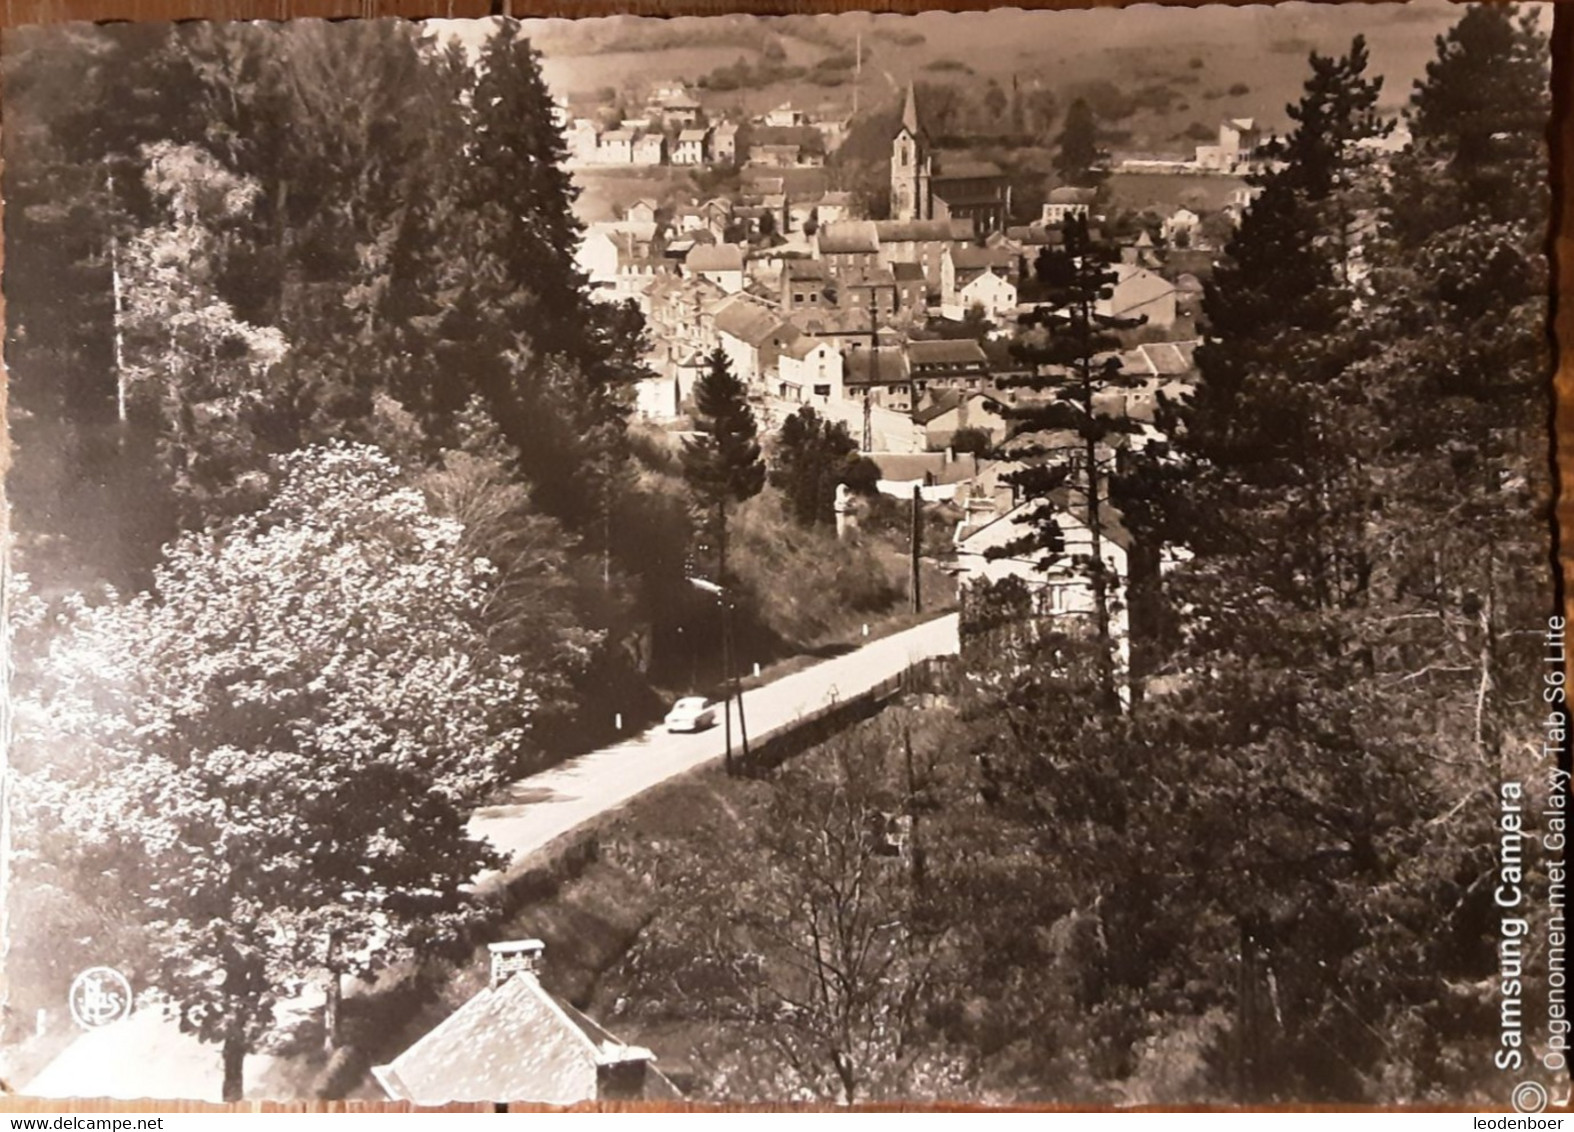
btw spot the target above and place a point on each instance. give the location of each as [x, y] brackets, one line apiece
[910, 112]
[967, 170]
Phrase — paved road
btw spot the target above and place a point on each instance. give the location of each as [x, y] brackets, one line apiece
[544, 806]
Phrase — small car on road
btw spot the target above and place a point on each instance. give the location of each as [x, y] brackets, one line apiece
[691, 713]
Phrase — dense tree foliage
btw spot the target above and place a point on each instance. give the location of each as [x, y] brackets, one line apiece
[200, 742]
[814, 455]
[349, 248]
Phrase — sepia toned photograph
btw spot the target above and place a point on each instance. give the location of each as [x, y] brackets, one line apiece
[1000, 558]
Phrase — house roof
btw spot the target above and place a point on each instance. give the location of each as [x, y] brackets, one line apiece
[930, 467]
[804, 270]
[949, 400]
[848, 237]
[947, 351]
[691, 135]
[1070, 194]
[727, 128]
[623, 232]
[868, 277]
[618, 135]
[748, 320]
[1063, 501]
[844, 322]
[892, 367]
[715, 257]
[1161, 359]
[515, 1042]
[1036, 235]
[915, 231]
[907, 272]
[968, 258]
[802, 345]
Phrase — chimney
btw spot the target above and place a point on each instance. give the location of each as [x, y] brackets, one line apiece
[515, 957]
[950, 454]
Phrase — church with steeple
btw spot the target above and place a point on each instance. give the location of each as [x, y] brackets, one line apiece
[923, 188]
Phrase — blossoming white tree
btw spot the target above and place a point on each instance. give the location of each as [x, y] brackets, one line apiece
[274, 751]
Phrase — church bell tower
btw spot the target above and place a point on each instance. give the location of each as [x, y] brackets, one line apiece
[910, 166]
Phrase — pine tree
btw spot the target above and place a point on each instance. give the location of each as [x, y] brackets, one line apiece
[1079, 160]
[722, 466]
[1477, 123]
[1260, 427]
[1072, 352]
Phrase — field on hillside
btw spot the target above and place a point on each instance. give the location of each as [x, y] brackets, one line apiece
[1185, 68]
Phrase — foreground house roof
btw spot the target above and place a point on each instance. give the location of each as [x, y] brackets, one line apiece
[514, 1041]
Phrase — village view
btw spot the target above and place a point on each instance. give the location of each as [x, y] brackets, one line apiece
[973, 556]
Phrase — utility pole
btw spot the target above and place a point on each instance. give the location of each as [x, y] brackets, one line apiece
[119, 311]
[874, 369]
[916, 535]
[737, 684]
[858, 68]
[726, 633]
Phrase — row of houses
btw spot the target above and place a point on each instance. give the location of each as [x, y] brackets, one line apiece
[672, 130]
[642, 141]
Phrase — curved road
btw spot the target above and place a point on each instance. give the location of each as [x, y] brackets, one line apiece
[535, 810]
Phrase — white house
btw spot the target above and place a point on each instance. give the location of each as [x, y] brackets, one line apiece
[1237, 147]
[722, 264]
[616, 148]
[1140, 293]
[786, 115]
[724, 144]
[1183, 222]
[642, 211]
[1065, 589]
[809, 370]
[751, 334]
[649, 149]
[1067, 201]
[691, 148]
[996, 294]
[970, 275]
[598, 253]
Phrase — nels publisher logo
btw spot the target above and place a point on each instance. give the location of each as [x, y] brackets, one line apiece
[99, 996]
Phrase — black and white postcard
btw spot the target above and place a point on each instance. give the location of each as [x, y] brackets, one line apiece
[998, 557]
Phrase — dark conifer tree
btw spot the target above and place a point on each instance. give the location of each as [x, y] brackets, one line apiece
[723, 467]
[1079, 160]
[1071, 350]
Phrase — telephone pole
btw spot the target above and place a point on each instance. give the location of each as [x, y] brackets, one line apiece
[916, 535]
[874, 369]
